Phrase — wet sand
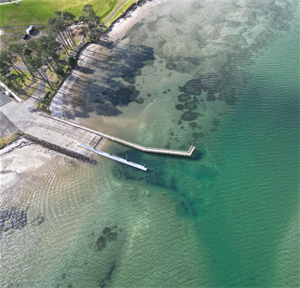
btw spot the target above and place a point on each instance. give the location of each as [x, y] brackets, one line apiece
[22, 156]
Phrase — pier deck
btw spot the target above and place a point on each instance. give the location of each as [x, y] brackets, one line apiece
[116, 158]
[133, 145]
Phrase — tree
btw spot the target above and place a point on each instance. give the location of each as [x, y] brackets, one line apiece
[48, 48]
[9, 59]
[10, 81]
[20, 50]
[36, 64]
[55, 27]
[68, 18]
[72, 62]
[94, 26]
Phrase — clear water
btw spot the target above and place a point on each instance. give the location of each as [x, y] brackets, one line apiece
[227, 217]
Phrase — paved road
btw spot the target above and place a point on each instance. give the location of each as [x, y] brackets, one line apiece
[1, 2]
[114, 12]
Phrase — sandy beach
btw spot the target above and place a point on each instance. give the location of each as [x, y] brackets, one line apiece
[22, 156]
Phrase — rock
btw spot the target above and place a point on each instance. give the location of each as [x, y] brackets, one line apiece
[192, 105]
[192, 87]
[184, 98]
[5, 215]
[210, 97]
[101, 243]
[189, 116]
[179, 107]
[193, 125]
[106, 230]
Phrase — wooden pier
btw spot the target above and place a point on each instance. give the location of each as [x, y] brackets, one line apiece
[116, 158]
[130, 144]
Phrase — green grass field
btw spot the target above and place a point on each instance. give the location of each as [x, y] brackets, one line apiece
[32, 12]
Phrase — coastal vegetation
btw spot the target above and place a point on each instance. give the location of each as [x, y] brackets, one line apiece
[40, 59]
[45, 58]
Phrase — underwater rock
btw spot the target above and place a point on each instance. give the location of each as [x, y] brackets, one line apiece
[8, 227]
[189, 116]
[139, 100]
[192, 105]
[106, 230]
[101, 243]
[108, 236]
[184, 98]
[210, 97]
[193, 125]
[5, 215]
[192, 87]
[179, 107]
[18, 219]
[212, 81]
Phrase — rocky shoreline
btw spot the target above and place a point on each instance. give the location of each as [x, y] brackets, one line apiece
[12, 219]
[60, 149]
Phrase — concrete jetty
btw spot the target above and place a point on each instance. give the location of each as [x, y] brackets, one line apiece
[130, 144]
[113, 157]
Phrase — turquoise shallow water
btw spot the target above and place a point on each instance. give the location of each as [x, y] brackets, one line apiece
[227, 217]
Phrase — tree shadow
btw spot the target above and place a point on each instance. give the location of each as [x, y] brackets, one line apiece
[86, 70]
[109, 82]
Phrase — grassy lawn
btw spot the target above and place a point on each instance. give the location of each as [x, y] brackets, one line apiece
[24, 84]
[30, 91]
[30, 12]
[26, 81]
